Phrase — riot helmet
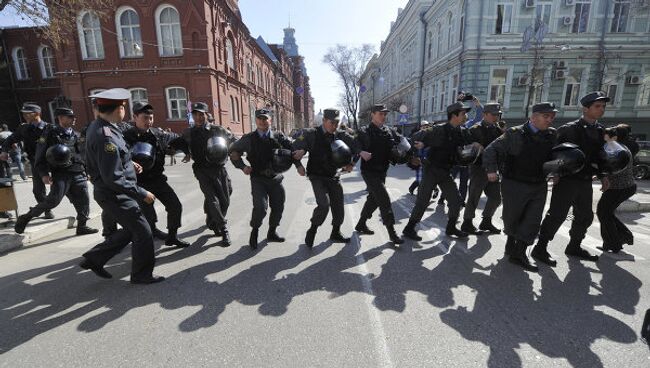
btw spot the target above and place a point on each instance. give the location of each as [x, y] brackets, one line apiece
[144, 154]
[341, 153]
[217, 150]
[281, 160]
[59, 156]
[614, 158]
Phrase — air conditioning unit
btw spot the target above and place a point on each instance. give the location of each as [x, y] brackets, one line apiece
[560, 64]
[634, 79]
[567, 21]
[522, 81]
[559, 74]
[569, 2]
[529, 3]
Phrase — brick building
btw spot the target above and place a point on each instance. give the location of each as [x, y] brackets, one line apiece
[171, 53]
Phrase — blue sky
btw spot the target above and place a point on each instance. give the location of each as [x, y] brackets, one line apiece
[319, 25]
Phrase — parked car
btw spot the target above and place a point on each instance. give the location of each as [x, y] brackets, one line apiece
[642, 161]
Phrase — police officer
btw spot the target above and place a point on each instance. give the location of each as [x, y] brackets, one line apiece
[484, 132]
[153, 179]
[113, 175]
[576, 190]
[209, 170]
[266, 182]
[376, 140]
[28, 134]
[444, 141]
[322, 171]
[58, 163]
[522, 151]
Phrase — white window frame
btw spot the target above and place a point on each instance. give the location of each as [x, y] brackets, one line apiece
[123, 44]
[180, 107]
[46, 63]
[442, 96]
[644, 88]
[616, 22]
[503, 23]
[20, 63]
[440, 39]
[161, 45]
[506, 87]
[576, 26]
[583, 82]
[230, 53]
[98, 41]
[450, 30]
[544, 5]
[132, 101]
[454, 81]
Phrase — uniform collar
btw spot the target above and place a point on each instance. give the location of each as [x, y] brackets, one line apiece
[532, 127]
[262, 134]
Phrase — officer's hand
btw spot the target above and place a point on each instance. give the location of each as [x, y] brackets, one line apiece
[415, 161]
[247, 170]
[297, 155]
[604, 184]
[478, 146]
[348, 168]
[187, 158]
[14, 146]
[150, 198]
[555, 179]
[301, 170]
[4, 156]
[138, 167]
[418, 145]
[492, 177]
[365, 155]
[47, 180]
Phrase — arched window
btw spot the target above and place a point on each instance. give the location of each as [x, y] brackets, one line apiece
[439, 48]
[176, 103]
[46, 61]
[450, 30]
[20, 63]
[230, 54]
[90, 36]
[128, 32]
[168, 29]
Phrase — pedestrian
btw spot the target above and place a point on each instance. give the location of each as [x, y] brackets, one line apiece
[58, 163]
[113, 175]
[5, 169]
[153, 179]
[326, 157]
[519, 156]
[576, 190]
[266, 181]
[444, 142]
[621, 187]
[483, 132]
[208, 144]
[28, 134]
[16, 155]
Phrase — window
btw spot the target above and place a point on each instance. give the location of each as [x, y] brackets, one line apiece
[230, 54]
[168, 28]
[644, 90]
[139, 95]
[176, 103]
[249, 71]
[498, 82]
[572, 90]
[454, 88]
[538, 84]
[443, 95]
[429, 45]
[128, 32]
[461, 32]
[425, 100]
[439, 49]
[450, 30]
[581, 20]
[46, 61]
[90, 36]
[504, 19]
[621, 16]
[611, 85]
[20, 63]
[542, 15]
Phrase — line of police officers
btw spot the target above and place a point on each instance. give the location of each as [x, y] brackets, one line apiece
[125, 165]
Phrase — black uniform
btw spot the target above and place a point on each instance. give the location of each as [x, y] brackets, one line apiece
[213, 177]
[483, 133]
[108, 161]
[574, 190]
[323, 173]
[29, 134]
[154, 180]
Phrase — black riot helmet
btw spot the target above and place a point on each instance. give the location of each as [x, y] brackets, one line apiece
[59, 156]
[216, 150]
[614, 158]
[281, 160]
[467, 155]
[341, 153]
[566, 159]
[144, 154]
[399, 152]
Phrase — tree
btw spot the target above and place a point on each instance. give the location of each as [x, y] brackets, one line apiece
[349, 63]
[56, 17]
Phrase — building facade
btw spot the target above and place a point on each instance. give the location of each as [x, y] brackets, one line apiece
[517, 52]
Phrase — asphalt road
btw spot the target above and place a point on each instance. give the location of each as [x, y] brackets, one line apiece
[441, 302]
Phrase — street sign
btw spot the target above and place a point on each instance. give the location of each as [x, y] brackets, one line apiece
[403, 119]
[403, 109]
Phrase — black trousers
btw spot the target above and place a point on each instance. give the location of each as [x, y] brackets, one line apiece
[216, 187]
[377, 197]
[478, 184]
[135, 228]
[166, 195]
[68, 184]
[432, 177]
[329, 194]
[569, 193]
[38, 187]
[523, 207]
[267, 192]
[612, 230]
[462, 172]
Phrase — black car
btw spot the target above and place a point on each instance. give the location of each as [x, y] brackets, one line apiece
[642, 161]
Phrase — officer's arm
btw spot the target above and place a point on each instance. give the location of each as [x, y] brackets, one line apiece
[304, 141]
[286, 144]
[363, 140]
[353, 144]
[40, 165]
[237, 149]
[112, 172]
[176, 142]
[500, 147]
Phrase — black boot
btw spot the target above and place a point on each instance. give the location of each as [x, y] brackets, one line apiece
[158, 234]
[48, 215]
[97, 270]
[273, 237]
[21, 222]
[225, 238]
[172, 239]
[452, 230]
[486, 225]
[520, 258]
[393, 235]
[573, 249]
[311, 234]
[252, 241]
[413, 187]
[362, 228]
[410, 232]
[510, 246]
[469, 227]
[82, 229]
[541, 254]
[337, 237]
